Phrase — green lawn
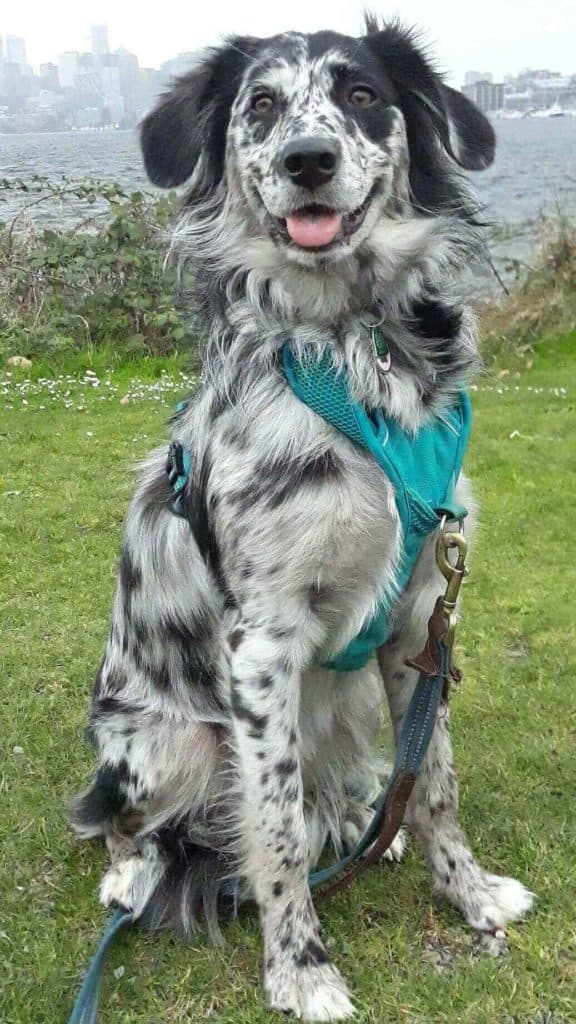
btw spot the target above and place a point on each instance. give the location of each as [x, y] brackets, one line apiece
[63, 492]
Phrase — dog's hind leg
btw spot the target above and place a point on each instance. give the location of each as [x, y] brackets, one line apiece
[487, 901]
[157, 722]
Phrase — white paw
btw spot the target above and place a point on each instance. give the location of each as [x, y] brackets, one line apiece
[505, 900]
[352, 834]
[395, 851]
[116, 885]
[310, 993]
[130, 882]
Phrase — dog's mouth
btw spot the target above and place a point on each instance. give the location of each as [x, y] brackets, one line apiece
[318, 227]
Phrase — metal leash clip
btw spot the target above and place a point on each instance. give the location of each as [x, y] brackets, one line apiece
[436, 656]
[453, 574]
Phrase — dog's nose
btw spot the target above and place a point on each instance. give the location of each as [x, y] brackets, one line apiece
[311, 161]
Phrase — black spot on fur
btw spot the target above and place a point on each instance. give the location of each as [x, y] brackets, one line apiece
[312, 955]
[130, 574]
[285, 768]
[241, 710]
[277, 889]
[235, 639]
[116, 680]
[130, 581]
[196, 508]
[433, 319]
[114, 706]
[296, 474]
[105, 798]
[160, 676]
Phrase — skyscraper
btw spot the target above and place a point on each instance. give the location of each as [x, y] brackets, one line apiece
[15, 50]
[99, 40]
[68, 68]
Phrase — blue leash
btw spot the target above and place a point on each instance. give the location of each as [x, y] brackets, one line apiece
[413, 742]
[86, 1006]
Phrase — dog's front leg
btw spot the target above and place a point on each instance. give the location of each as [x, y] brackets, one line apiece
[264, 695]
[487, 901]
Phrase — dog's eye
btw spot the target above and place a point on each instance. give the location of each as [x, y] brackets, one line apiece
[262, 103]
[362, 96]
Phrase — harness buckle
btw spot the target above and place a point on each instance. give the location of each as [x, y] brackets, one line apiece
[453, 574]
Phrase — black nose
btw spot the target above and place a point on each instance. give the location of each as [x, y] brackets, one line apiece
[311, 161]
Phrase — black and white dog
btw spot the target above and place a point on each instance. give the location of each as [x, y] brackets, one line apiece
[324, 191]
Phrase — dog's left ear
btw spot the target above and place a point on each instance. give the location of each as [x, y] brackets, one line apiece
[471, 137]
[432, 110]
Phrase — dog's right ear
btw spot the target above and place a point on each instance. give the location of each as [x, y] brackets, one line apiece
[188, 126]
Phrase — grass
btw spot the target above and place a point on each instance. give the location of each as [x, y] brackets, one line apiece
[63, 494]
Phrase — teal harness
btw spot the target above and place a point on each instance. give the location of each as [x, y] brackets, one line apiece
[423, 469]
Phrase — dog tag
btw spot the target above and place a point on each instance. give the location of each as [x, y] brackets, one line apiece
[383, 357]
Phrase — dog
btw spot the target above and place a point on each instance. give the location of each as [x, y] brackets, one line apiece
[325, 194]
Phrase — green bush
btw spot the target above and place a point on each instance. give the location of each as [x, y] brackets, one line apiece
[101, 281]
[543, 302]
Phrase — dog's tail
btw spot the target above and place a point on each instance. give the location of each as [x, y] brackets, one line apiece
[198, 887]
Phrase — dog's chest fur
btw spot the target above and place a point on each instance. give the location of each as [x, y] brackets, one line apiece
[294, 509]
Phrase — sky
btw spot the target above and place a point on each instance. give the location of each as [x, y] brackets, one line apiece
[485, 35]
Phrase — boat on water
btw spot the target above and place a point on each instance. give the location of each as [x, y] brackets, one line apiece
[554, 111]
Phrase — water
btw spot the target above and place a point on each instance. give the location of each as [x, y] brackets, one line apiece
[534, 173]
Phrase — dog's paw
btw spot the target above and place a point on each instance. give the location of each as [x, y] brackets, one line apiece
[502, 901]
[117, 884]
[352, 834]
[395, 851]
[130, 882]
[310, 993]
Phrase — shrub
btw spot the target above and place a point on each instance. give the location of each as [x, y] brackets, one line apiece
[101, 281]
[544, 299]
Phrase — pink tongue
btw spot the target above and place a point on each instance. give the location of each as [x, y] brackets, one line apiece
[313, 230]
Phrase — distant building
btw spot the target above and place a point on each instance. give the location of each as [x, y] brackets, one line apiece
[532, 91]
[16, 50]
[68, 64]
[151, 82]
[471, 77]
[48, 78]
[129, 73]
[488, 96]
[178, 65]
[99, 40]
[112, 98]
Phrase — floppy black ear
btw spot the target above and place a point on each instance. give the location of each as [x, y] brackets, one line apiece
[190, 121]
[429, 106]
[471, 136]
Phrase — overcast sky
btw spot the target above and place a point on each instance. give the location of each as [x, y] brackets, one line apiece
[485, 35]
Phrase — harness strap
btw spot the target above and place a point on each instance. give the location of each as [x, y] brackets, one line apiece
[178, 467]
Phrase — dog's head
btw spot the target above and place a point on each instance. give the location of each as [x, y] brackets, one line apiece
[316, 139]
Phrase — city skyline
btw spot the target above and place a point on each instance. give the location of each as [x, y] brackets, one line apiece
[8, 38]
[514, 36]
[102, 86]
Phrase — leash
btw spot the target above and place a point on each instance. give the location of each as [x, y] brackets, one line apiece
[86, 1006]
[434, 663]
